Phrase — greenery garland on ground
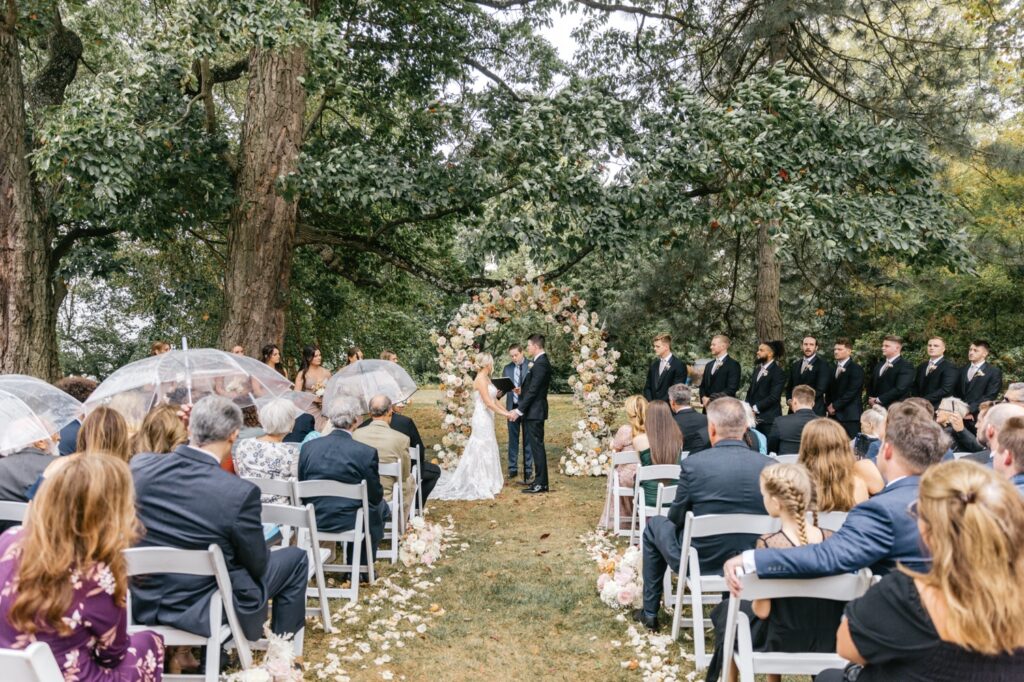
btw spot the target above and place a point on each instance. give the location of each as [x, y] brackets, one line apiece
[596, 367]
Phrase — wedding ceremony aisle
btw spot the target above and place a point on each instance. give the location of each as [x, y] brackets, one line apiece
[519, 603]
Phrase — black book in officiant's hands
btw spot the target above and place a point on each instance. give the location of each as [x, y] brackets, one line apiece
[503, 384]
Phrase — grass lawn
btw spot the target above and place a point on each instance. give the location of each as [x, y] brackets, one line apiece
[519, 603]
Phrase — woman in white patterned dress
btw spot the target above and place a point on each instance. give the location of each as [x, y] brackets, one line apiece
[478, 475]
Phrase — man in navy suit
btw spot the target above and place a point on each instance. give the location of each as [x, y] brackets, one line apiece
[878, 533]
[186, 500]
[766, 385]
[533, 409]
[666, 370]
[692, 423]
[724, 479]
[979, 381]
[784, 438]
[892, 379]
[936, 377]
[339, 457]
[843, 400]
[722, 374]
[810, 370]
[516, 371]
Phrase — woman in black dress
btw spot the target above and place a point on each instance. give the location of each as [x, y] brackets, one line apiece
[963, 620]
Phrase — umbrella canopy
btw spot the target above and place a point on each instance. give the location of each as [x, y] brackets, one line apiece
[31, 410]
[366, 378]
[184, 376]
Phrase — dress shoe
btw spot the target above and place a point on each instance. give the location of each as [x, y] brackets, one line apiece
[533, 489]
[649, 622]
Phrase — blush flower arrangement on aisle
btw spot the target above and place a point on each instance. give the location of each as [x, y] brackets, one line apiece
[422, 543]
[595, 368]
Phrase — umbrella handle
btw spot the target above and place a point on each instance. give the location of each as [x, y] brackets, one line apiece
[188, 369]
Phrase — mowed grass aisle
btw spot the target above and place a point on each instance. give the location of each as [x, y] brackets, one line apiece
[520, 602]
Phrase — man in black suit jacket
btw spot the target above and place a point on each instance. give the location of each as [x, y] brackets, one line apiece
[936, 377]
[979, 381]
[533, 409]
[186, 500]
[339, 457]
[810, 370]
[724, 479]
[430, 472]
[766, 385]
[666, 370]
[19, 470]
[692, 423]
[516, 371]
[304, 424]
[843, 400]
[784, 438]
[892, 379]
[722, 374]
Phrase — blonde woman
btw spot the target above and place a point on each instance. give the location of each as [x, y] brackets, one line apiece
[63, 577]
[478, 475]
[841, 480]
[964, 618]
[628, 436]
[162, 430]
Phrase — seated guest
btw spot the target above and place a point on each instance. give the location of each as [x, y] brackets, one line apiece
[664, 445]
[1014, 393]
[964, 618]
[1009, 460]
[268, 456]
[878, 533]
[841, 480]
[20, 470]
[251, 426]
[80, 389]
[692, 423]
[989, 429]
[63, 575]
[724, 479]
[391, 447]
[430, 472]
[636, 413]
[339, 457]
[950, 416]
[784, 437]
[754, 439]
[105, 431]
[162, 431]
[186, 500]
[304, 425]
[866, 443]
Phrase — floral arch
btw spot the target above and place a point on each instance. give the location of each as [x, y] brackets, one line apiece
[596, 366]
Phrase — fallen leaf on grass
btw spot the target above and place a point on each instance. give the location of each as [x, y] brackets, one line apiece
[434, 608]
[545, 536]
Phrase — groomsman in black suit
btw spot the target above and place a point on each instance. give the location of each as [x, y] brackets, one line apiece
[533, 409]
[766, 384]
[667, 370]
[516, 371]
[722, 374]
[978, 381]
[809, 370]
[936, 378]
[892, 379]
[843, 401]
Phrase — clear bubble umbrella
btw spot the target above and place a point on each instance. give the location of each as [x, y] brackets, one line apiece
[31, 410]
[184, 376]
[366, 378]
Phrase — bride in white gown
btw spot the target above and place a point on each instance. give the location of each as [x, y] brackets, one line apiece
[478, 475]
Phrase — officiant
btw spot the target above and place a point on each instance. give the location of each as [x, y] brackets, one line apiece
[516, 371]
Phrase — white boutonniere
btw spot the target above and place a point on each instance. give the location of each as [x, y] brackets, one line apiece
[529, 365]
[842, 369]
[979, 373]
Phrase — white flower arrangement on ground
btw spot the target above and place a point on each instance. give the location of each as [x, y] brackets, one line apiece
[278, 664]
[595, 369]
[620, 582]
[422, 543]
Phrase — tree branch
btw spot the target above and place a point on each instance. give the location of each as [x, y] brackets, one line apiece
[64, 244]
[494, 77]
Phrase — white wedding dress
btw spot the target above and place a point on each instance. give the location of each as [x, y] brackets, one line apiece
[478, 475]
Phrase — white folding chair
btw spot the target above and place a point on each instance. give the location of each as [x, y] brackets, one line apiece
[829, 520]
[394, 528]
[787, 459]
[683, 455]
[619, 491]
[416, 460]
[280, 488]
[143, 561]
[13, 511]
[737, 628]
[958, 455]
[651, 472]
[35, 663]
[358, 535]
[707, 589]
[303, 520]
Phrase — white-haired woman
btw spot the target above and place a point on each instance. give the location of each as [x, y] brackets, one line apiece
[478, 475]
[865, 443]
[269, 456]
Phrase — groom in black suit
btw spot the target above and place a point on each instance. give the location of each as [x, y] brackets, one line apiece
[533, 410]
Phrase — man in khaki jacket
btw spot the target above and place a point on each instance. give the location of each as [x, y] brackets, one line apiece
[391, 446]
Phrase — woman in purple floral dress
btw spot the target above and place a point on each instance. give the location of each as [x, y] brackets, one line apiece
[67, 588]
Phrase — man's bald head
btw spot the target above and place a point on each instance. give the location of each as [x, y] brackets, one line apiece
[995, 420]
[380, 406]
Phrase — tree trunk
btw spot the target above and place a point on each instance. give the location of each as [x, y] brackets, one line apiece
[261, 232]
[28, 311]
[768, 316]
